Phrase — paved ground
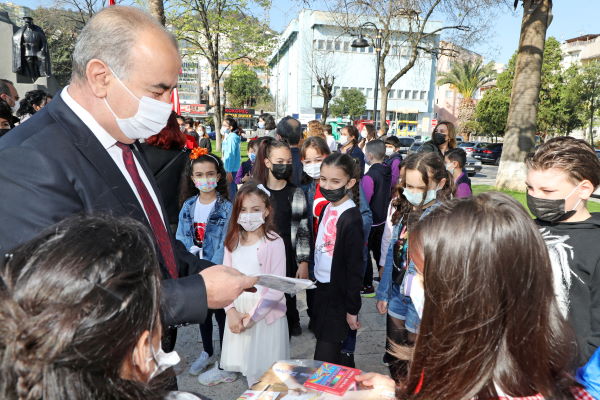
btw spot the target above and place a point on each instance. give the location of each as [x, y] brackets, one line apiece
[487, 176]
[369, 350]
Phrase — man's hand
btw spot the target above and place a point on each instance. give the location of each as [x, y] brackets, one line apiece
[382, 306]
[352, 321]
[302, 272]
[247, 321]
[234, 320]
[224, 285]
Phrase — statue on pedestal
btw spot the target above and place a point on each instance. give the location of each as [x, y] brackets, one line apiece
[30, 51]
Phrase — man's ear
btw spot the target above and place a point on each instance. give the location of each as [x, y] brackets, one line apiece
[98, 76]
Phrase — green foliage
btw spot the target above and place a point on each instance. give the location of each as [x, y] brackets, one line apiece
[350, 102]
[587, 86]
[559, 107]
[243, 87]
[468, 76]
[62, 28]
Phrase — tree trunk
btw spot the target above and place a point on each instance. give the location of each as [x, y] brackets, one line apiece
[383, 107]
[521, 124]
[326, 100]
[218, 112]
[465, 114]
[157, 9]
[592, 112]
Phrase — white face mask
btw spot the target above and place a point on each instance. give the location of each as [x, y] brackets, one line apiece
[450, 168]
[162, 361]
[343, 140]
[15, 108]
[389, 151]
[150, 118]
[251, 221]
[313, 170]
[364, 134]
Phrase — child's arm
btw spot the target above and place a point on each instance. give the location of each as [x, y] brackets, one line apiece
[368, 187]
[239, 175]
[353, 259]
[275, 265]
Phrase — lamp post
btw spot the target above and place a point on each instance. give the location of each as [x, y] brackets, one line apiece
[362, 42]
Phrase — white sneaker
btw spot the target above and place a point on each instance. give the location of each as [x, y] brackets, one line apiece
[214, 376]
[202, 363]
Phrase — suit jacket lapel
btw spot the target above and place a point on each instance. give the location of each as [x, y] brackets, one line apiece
[91, 148]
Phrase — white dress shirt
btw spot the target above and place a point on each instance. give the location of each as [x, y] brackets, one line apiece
[110, 145]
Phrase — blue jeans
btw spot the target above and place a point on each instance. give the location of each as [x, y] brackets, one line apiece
[232, 191]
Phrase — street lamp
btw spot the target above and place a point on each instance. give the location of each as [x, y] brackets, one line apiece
[362, 42]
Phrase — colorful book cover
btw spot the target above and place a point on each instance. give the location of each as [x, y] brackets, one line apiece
[332, 378]
[258, 395]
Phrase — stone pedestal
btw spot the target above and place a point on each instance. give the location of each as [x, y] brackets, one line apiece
[22, 83]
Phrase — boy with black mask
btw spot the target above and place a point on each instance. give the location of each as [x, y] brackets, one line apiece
[562, 175]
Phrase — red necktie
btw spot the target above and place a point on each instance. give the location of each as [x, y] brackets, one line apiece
[156, 222]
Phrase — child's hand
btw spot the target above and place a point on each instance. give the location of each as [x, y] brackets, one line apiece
[302, 272]
[377, 381]
[352, 321]
[382, 306]
[247, 321]
[234, 320]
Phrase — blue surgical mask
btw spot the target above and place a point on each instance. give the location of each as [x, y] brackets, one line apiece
[261, 125]
[417, 198]
[252, 157]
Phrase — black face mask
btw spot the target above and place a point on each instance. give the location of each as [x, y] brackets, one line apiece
[552, 211]
[334, 195]
[3, 131]
[282, 171]
[438, 138]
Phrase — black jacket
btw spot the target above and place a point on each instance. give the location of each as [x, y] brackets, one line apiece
[52, 166]
[577, 245]
[159, 161]
[382, 178]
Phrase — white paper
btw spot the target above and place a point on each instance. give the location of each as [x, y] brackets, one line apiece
[283, 284]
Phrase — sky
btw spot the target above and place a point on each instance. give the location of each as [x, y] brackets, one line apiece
[572, 18]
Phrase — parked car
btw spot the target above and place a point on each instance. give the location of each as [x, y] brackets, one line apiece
[598, 153]
[489, 154]
[414, 148]
[405, 143]
[472, 166]
[471, 147]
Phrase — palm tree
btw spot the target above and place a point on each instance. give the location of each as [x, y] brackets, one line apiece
[522, 114]
[466, 77]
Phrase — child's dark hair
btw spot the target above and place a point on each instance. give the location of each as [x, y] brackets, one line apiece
[432, 168]
[235, 232]
[317, 143]
[393, 140]
[328, 129]
[458, 155]
[350, 167]
[233, 125]
[253, 144]
[187, 188]
[260, 172]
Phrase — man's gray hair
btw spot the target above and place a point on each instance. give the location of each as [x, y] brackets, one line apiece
[109, 36]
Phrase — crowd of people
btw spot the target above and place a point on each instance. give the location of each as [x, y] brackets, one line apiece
[120, 224]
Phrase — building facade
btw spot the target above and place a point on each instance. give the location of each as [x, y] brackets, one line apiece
[314, 43]
[580, 50]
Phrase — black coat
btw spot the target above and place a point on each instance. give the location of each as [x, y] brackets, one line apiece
[159, 161]
[52, 166]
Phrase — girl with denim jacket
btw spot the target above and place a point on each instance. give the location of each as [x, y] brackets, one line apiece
[203, 222]
[425, 182]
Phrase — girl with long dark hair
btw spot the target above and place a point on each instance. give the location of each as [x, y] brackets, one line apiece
[203, 221]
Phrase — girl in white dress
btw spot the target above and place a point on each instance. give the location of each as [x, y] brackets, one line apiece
[257, 333]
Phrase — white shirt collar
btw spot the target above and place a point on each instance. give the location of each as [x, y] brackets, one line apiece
[101, 134]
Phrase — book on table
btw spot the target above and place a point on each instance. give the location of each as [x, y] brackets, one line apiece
[332, 378]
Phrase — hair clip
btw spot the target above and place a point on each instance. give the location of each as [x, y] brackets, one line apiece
[264, 189]
[197, 152]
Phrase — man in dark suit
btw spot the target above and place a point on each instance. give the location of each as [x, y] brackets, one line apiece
[79, 155]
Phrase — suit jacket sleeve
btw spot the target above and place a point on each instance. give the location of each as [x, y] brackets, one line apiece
[353, 240]
[35, 194]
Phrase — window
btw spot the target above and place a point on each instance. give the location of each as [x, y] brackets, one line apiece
[369, 92]
[319, 93]
[320, 44]
[338, 46]
[362, 90]
[329, 45]
[344, 88]
[371, 49]
[406, 94]
[449, 94]
[423, 94]
[336, 89]
[392, 94]
[346, 46]
[362, 49]
[415, 94]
